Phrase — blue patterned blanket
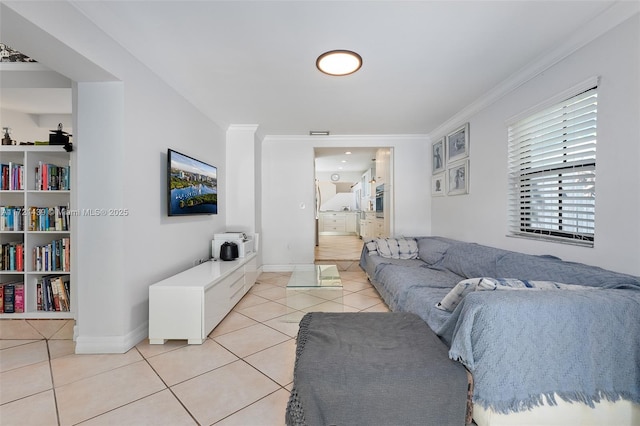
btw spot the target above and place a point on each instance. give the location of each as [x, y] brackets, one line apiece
[521, 346]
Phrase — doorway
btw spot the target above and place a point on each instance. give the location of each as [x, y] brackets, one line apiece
[338, 247]
[345, 183]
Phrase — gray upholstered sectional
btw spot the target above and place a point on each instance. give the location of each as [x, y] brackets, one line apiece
[524, 348]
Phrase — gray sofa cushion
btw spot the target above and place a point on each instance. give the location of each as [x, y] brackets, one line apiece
[530, 267]
[397, 282]
[432, 249]
[471, 260]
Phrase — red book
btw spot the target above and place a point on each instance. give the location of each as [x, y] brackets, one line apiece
[18, 298]
[45, 177]
[20, 257]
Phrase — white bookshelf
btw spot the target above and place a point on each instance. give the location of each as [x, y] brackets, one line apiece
[26, 198]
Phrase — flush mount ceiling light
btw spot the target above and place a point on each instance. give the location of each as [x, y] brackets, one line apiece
[319, 133]
[339, 62]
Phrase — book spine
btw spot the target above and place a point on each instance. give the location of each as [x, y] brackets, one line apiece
[20, 257]
[55, 295]
[12, 257]
[47, 297]
[39, 295]
[9, 293]
[4, 177]
[67, 290]
[18, 298]
[45, 177]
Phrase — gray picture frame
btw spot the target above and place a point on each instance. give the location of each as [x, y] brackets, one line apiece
[438, 185]
[458, 143]
[438, 156]
[458, 178]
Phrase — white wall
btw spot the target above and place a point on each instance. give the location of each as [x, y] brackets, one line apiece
[240, 178]
[288, 200]
[481, 215]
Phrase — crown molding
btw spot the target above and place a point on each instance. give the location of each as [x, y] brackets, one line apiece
[243, 127]
[613, 16]
[349, 138]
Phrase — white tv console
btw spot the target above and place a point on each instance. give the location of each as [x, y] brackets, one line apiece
[190, 304]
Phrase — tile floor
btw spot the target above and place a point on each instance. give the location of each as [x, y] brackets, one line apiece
[241, 375]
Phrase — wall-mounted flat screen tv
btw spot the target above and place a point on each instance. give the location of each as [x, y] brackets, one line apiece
[192, 185]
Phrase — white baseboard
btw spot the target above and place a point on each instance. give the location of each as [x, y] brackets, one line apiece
[111, 344]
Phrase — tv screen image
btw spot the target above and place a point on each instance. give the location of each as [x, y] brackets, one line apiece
[192, 185]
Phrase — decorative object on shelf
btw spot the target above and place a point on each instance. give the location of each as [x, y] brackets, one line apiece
[458, 178]
[229, 251]
[58, 137]
[6, 139]
[335, 177]
[458, 143]
[438, 185]
[438, 156]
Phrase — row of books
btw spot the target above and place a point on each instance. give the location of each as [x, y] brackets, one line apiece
[49, 218]
[11, 218]
[12, 297]
[53, 294]
[11, 176]
[54, 218]
[50, 177]
[12, 256]
[55, 256]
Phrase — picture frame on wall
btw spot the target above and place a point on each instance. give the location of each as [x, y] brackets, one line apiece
[438, 156]
[458, 143]
[438, 186]
[458, 178]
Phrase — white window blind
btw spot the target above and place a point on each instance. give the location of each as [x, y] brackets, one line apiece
[552, 171]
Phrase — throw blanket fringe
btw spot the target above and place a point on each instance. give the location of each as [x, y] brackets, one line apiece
[550, 399]
[295, 411]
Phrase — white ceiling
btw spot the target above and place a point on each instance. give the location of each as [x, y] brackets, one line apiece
[253, 62]
[337, 160]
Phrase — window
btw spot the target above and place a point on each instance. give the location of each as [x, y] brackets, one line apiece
[552, 171]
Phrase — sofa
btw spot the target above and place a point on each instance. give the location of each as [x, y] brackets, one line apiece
[547, 341]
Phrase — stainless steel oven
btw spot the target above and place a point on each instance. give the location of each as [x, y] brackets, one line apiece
[380, 201]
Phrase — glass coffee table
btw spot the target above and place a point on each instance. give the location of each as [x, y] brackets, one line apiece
[314, 288]
[315, 277]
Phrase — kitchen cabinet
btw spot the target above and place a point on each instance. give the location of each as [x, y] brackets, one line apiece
[383, 166]
[337, 223]
[372, 227]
